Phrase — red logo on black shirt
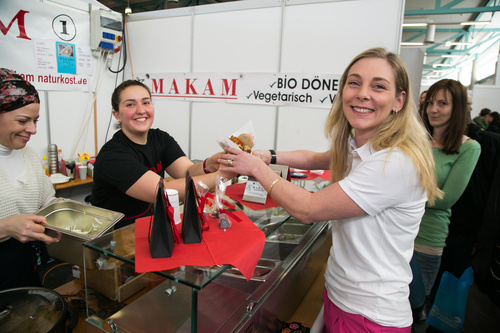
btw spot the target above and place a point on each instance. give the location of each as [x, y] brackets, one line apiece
[158, 169]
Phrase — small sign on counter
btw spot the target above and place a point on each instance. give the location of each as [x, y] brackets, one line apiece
[254, 192]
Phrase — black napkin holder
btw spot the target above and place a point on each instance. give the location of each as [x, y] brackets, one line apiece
[191, 220]
[161, 237]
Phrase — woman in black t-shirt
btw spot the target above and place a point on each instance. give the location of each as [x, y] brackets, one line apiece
[129, 166]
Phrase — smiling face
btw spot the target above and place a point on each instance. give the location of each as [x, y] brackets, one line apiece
[135, 113]
[369, 96]
[439, 109]
[17, 127]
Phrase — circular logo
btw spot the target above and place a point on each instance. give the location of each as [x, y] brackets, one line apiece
[64, 27]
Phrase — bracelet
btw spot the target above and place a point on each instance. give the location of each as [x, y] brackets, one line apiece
[272, 185]
[205, 170]
[273, 156]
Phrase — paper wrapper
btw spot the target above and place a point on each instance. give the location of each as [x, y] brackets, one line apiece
[247, 128]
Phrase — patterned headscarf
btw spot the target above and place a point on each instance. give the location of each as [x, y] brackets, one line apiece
[15, 92]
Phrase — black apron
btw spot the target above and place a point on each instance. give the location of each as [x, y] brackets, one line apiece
[18, 266]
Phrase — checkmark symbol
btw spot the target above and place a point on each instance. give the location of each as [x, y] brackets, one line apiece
[248, 97]
[322, 100]
[271, 85]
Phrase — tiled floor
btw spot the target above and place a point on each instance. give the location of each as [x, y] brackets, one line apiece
[419, 328]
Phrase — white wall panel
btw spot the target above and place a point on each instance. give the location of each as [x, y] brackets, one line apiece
[237, 41]
[324, 37]
[485, 97]
[256, 36]
[215, 119]
[301, 128]
[160, 45]
[173, 117]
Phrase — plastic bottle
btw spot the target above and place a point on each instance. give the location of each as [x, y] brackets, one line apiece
[60, 161]
[45, 165]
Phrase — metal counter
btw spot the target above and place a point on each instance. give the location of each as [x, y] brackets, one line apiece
[215, 299]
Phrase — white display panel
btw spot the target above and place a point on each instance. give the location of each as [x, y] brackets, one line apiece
[302, 129]
[210, 120]
[173, 117]
[485, 97]
[324, 37]
[237, 41]
[160, 45]
[255, 36]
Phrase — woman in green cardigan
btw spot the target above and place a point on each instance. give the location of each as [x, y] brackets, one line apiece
[455, 156]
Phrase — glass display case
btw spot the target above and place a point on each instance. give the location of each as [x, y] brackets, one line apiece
[204, 299]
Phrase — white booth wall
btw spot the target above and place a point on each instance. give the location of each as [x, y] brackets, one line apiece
[252, 36]
[256, 36]
[485, 97]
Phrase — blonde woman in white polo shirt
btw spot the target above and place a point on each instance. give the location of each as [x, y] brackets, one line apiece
[382, 173]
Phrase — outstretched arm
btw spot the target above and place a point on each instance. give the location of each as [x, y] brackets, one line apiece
[300, 159]
[328, 204]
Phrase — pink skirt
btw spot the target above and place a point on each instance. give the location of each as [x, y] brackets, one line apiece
[338, 321]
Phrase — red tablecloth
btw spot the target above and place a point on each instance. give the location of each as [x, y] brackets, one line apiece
[236, 191]
[240, 246]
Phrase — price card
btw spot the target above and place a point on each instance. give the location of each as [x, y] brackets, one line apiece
[281, 170]
[254, 192]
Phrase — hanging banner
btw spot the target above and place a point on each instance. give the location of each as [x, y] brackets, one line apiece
[305, 90]
[47, 44]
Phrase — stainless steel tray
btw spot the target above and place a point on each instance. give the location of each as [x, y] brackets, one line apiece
[78, 220]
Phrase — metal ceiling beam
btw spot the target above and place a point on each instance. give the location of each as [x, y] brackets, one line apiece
[119, 2]
[444, 11]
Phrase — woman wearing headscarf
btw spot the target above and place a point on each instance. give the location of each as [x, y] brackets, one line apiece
[25, 187]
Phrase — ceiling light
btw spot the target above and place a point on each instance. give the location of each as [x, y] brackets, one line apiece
[476, 23]
[431, 32]
[411, 44]
[458, 44]
[414, 24]
[128, 10]
[450, 56]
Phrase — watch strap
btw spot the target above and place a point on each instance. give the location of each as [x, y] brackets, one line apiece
[273, 156]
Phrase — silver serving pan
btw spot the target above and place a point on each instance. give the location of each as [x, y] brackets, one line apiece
[79, 220]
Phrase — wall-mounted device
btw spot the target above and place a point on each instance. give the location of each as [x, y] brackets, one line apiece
[106, 30]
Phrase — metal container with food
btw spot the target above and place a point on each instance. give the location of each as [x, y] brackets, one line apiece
[77, 223]
[79, 220]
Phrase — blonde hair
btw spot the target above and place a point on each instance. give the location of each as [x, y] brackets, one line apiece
[402, 130]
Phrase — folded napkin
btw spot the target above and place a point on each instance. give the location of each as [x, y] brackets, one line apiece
[240, 246]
